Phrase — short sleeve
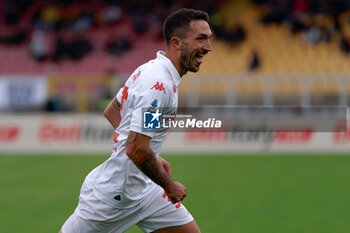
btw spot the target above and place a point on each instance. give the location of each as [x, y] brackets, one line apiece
[119, 95]
[149, 100]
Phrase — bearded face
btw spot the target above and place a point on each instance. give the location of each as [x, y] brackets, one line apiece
[191, 59]
[194, 44]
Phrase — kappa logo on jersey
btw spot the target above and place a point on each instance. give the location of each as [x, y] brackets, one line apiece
[159, 87]
[151, 117]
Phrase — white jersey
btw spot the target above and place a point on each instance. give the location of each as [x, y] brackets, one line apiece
[118, 181]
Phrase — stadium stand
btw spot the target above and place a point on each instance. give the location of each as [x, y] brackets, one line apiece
[101, 24]
[304, 46]
[278, 48]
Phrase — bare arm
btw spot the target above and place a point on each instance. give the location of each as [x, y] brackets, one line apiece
[164, 164]
[112, 113]
[139, 151]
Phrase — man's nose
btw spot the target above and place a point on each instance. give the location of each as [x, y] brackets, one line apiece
[207, 46]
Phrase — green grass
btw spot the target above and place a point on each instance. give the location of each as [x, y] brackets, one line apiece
[238, 194]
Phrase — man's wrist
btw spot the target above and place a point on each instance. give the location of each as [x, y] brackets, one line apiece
[170, 187]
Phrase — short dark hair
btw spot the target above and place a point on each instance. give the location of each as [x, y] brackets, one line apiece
[178, 22]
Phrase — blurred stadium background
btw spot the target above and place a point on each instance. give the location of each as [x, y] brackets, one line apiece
[61, 61]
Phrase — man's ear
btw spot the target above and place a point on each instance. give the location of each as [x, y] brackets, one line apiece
[176, 42]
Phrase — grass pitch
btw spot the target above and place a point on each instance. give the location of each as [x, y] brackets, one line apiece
[238, 194]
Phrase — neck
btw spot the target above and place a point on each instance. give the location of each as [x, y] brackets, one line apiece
[174, 58]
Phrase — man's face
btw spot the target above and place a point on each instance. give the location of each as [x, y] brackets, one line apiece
[195, 45]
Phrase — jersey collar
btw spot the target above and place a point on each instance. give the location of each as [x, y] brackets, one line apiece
[170, 66]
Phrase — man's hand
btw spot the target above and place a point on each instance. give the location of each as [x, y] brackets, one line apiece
[176, 193]
[164, 164]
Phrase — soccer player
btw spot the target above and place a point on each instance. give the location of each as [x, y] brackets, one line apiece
[134, 186]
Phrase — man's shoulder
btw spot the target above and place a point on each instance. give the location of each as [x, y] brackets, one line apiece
[154, 69]
[152, 73]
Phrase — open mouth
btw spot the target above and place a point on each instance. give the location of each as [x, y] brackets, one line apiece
[199, 58]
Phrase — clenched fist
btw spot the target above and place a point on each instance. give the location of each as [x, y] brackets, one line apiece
[176, 192]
